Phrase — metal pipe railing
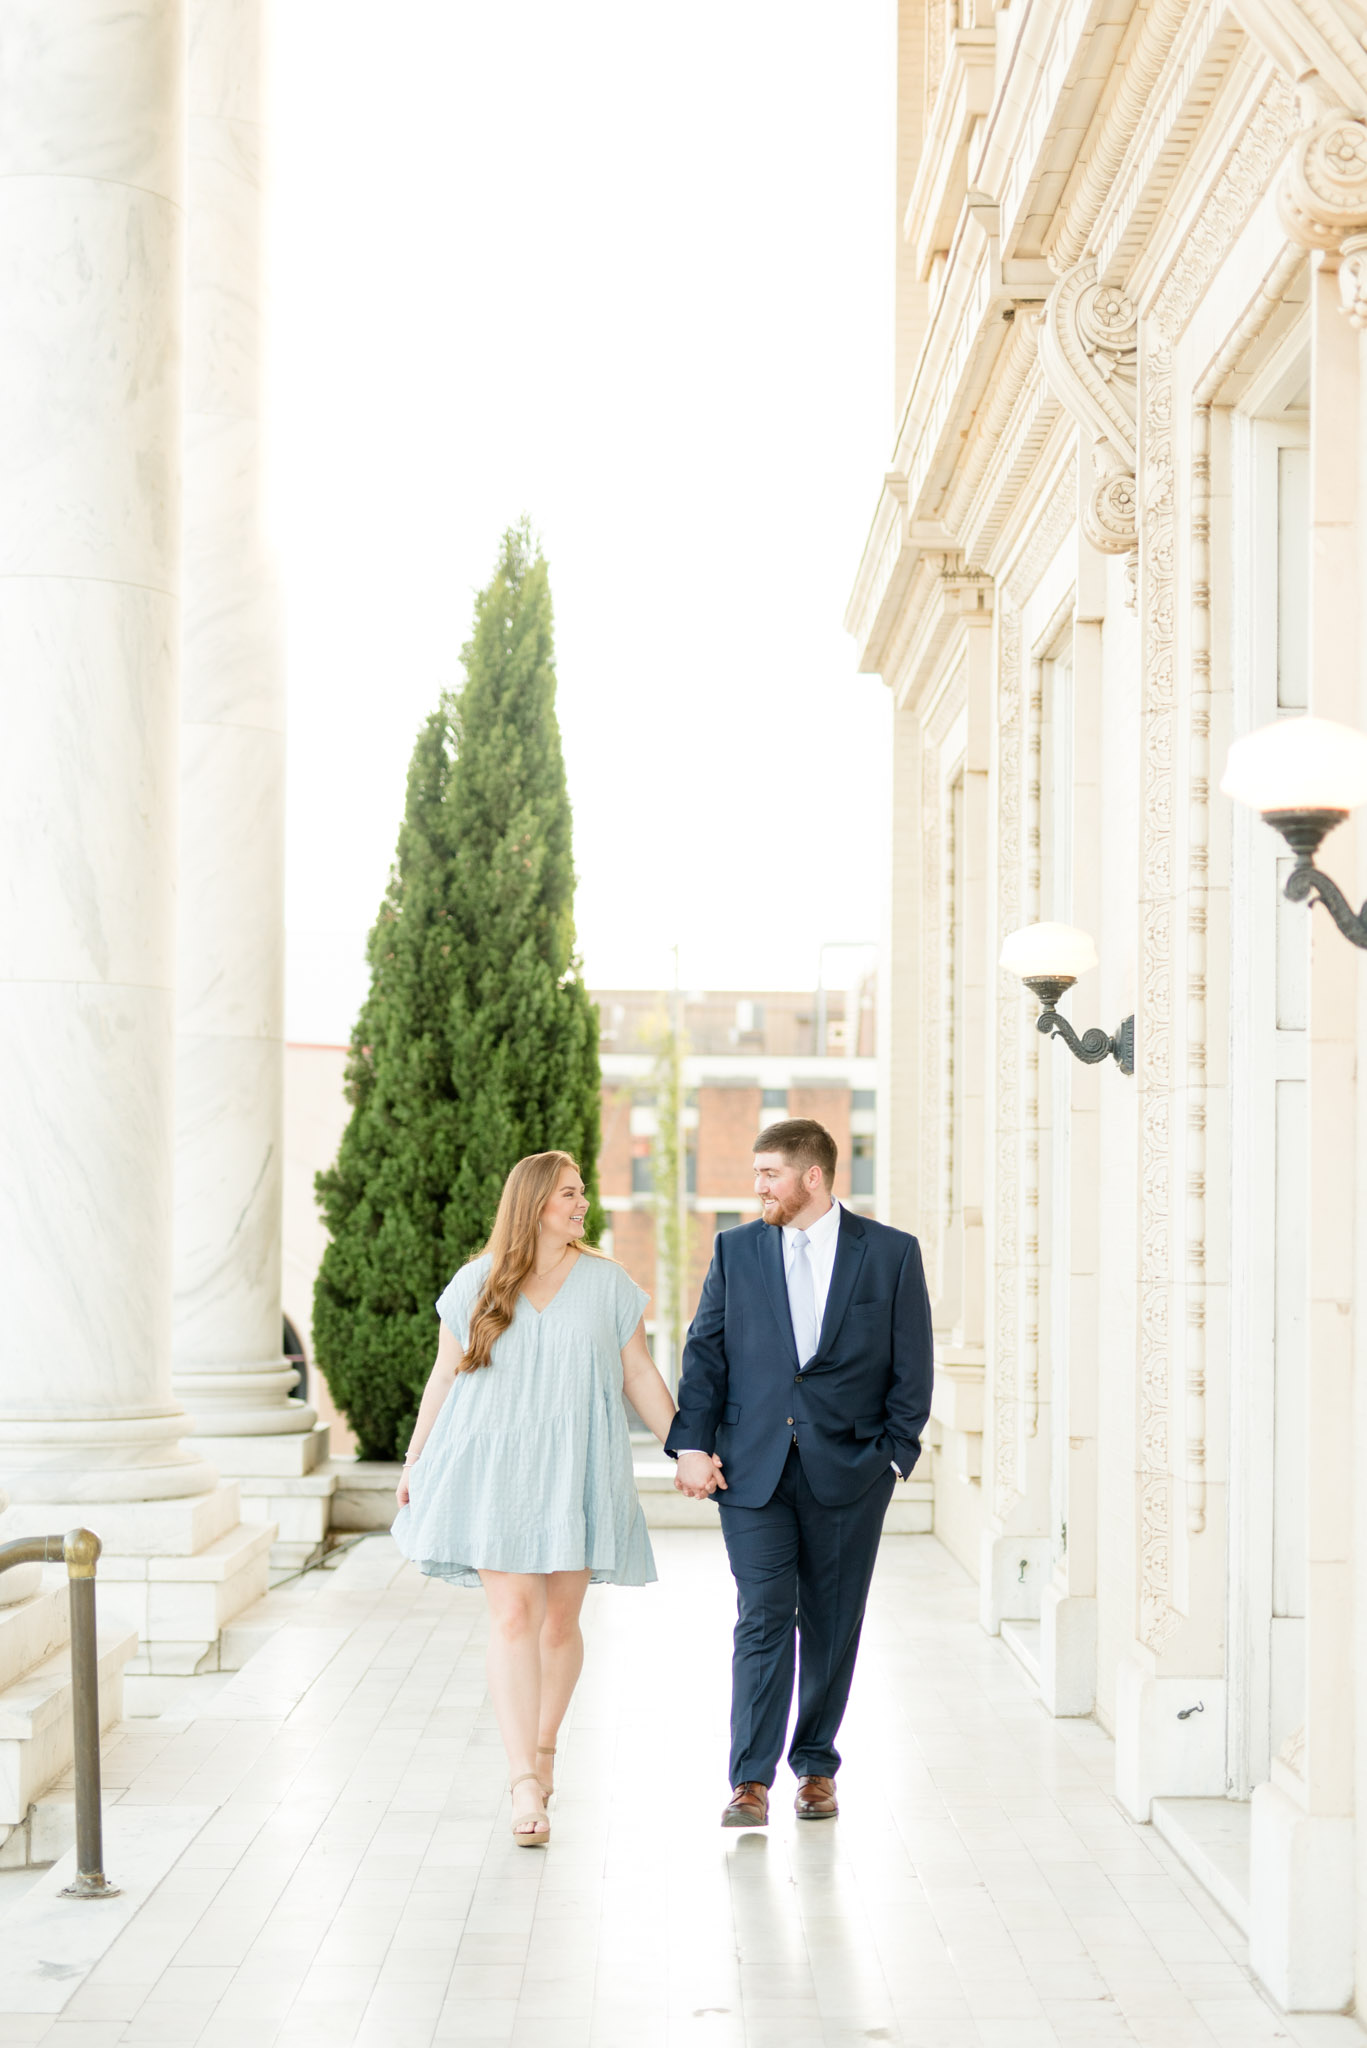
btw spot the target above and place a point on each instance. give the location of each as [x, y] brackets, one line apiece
[78, 1550]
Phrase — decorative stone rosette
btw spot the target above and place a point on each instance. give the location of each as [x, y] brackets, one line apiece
[1323, 196]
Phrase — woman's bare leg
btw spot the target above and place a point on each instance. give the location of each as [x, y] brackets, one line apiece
[562, 1657]
[517, 1612]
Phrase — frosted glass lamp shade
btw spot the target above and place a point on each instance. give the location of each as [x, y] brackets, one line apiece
[1298, 764]
[1052, 952]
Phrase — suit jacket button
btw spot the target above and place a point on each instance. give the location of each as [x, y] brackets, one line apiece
[790, 1422]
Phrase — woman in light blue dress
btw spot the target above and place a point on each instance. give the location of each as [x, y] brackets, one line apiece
[519, 1475]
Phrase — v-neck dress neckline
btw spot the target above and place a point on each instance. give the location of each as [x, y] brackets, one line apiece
[578, 1261]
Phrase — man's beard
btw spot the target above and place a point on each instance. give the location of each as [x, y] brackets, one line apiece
[783, 1212]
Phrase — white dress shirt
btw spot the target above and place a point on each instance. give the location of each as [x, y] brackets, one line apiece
[822, 1238]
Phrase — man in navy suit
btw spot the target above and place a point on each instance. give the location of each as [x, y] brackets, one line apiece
[805, 1387]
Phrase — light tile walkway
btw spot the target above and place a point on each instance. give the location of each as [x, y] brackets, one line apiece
[357, 1882]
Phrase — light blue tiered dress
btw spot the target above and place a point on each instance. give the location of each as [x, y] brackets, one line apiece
[528, 1465]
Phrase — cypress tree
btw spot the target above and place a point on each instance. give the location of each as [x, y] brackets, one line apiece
[477, 1042]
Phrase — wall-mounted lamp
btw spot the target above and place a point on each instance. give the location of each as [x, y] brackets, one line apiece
[1304, 775]
[1049, 958]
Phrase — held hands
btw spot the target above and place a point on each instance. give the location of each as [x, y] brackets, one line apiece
[698, 1475]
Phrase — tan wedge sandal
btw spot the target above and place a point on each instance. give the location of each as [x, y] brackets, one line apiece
[530, 1830]
[543, 1750]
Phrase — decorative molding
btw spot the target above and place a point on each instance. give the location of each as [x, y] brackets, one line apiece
[1241, 184]
[1199, 65]
[936, 1049]
[1321, 42]
[1108, 143]
[1030, 1259]
[1089, 349]
[1158, 1618]
[1017, 1042]
[1089, 353]
[1011, 375]
[1045, 536]
[1353, 280]
[1007, 1461]
[1198, 890]
[1320, 45]
[1323, 195]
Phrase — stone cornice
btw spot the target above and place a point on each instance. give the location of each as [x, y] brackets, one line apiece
[1320, 42]
[961, 347]
[1200, 62]
[1015, 453]
[1128, 95]
[952, 600]
[963, 96]
[1021, 129]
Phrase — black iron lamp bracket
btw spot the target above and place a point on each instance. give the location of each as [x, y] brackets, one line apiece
[1094, 1045]
[1303, 831]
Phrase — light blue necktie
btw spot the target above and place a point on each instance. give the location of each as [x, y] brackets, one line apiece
[802, 1299]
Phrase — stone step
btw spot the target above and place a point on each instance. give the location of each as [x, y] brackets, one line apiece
[292, 1454]
[1022, 1639]
[1212, 1838]
[301, 1509]
[179, 1605]
[32, 1631]
[132, 1529]
[36, 1719]
[364, 1495]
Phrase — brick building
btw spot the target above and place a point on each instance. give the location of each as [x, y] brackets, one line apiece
[749, 1060]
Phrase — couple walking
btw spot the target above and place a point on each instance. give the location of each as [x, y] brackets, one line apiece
[805, 1387]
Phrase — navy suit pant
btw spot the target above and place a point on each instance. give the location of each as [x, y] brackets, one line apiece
[802, 1575]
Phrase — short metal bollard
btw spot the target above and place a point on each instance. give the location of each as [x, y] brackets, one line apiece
[78, 1550]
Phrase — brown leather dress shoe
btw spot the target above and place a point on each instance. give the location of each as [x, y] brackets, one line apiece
[749, 1807]
[815, 1799]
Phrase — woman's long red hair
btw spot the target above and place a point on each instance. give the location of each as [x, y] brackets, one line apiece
[512, 1249]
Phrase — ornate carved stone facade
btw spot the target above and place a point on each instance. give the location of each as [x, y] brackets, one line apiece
[1128, 419]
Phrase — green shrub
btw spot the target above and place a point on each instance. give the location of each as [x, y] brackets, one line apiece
[477, 1042]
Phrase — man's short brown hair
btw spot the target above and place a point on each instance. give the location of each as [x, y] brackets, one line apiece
[803, 1142]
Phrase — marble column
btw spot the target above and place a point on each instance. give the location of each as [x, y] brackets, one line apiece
[229, 1368]
[91, 261]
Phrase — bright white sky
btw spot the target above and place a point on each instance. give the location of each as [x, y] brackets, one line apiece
[627, 267]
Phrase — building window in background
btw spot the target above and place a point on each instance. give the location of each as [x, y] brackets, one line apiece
[642, 1171]
[726, 1219]
[861, 1163]
[775, 1098]
[863, 1098]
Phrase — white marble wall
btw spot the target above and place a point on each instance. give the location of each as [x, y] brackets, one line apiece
[90, 302]
[229, 1149]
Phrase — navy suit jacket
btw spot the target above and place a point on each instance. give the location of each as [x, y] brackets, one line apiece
[861, 1403]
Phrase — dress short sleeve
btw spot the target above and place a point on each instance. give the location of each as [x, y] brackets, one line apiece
[456, 1300]
[631, 1303]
